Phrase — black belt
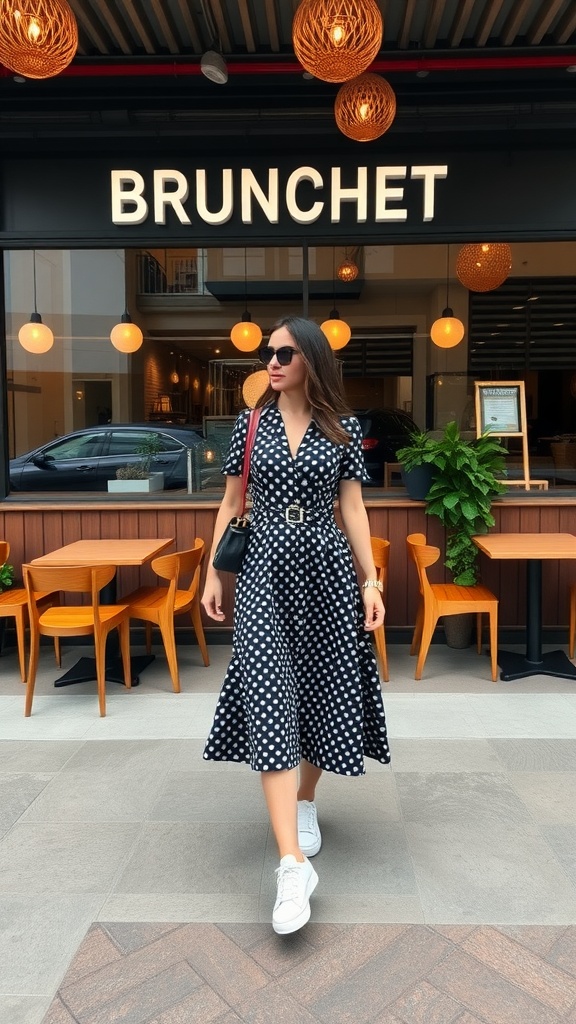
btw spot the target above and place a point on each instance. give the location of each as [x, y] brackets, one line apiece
[293, 514]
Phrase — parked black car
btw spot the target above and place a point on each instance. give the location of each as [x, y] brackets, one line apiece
[384, 431]
[87, 459]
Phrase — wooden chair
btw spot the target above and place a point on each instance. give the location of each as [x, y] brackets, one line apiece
[159, 605]
[14, 604]
[438, 599]
[92, 619]
[381, 554]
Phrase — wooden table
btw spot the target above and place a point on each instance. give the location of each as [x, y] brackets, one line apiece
[534, 548]
[106, 552]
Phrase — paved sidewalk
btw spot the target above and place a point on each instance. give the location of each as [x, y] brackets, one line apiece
[137, 880]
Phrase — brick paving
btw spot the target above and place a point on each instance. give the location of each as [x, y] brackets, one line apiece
[324, 974]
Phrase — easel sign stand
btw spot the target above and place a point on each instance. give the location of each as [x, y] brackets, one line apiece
[501, 410]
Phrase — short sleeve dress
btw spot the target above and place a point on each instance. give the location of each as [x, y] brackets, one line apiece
[303, 680]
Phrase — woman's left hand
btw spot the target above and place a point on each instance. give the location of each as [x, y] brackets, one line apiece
[373, 608]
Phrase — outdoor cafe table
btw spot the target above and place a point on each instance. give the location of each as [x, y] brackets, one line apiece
[106, 552]
[533, 548]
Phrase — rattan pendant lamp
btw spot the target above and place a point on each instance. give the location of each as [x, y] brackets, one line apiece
[365, 107]
[38, 38]
[448, 330]
[336, 40]
[483, 266]
[35, 336]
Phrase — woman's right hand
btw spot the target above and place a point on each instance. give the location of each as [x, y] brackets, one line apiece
[212, 597]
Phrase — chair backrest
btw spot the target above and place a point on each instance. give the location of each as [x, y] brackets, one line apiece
[381, 556]
[77, 579]
[4, 551]
[181, 563]
[423, 555]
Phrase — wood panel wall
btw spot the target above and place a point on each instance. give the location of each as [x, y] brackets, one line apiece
[33, 530]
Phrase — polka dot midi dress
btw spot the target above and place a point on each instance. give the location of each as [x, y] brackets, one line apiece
[303, 680]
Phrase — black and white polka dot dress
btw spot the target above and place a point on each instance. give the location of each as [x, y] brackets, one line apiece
[303, 680]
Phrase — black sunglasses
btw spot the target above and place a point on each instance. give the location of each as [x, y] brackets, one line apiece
[283, 355]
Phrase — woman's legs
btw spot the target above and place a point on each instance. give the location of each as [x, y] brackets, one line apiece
[280, 792]
[309, 778]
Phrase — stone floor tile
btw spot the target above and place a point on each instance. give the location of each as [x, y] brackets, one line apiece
[486, 993]
[455, 932]
[202, 1007]
[36, 756]
[362, 993]
[180, 907]
[538, 939]
[480, 800]
[370, 798]
[182, 797]
[23, 1009]
[17, 793]
[129, 758]
[367, 909]
[547, 755]
[424, 1004]
[549, 796]
[188, 758]
[446, 755]
[93, 797]
[521, 967]
[562, 840]
[44, 858]
[196, 858]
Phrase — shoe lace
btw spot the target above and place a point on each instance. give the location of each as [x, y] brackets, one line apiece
[288, 877]
[307, 813]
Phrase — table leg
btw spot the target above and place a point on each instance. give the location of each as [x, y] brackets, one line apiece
[534, 663]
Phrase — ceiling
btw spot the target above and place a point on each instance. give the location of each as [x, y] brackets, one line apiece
[458, 67]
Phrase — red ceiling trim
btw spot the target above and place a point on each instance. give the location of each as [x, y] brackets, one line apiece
[176, 69]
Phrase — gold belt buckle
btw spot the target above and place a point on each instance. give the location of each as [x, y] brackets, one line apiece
[294, 515]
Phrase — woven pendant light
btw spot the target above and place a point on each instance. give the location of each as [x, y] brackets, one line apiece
[483, 266]
[347, 271]
[335, 40]
[38, 38]
[365, 107]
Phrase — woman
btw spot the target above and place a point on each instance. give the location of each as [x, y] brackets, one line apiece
[302, 693]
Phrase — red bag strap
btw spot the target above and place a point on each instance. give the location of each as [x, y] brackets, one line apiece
[252, 428]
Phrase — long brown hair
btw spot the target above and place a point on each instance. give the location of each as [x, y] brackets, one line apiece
[323, 383]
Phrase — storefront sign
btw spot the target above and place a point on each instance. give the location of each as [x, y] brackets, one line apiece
[276, 196]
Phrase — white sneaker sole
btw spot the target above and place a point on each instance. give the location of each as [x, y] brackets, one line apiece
[287, 927]
[311, 851]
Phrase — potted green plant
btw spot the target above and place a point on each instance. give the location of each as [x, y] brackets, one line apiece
[136, 476]
[417, 462]
[6, 580]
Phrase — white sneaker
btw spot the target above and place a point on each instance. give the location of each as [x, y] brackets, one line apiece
[309, 837]
[296, 882]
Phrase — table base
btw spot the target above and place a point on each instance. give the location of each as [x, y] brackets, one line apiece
[85, 670]
[553, 663]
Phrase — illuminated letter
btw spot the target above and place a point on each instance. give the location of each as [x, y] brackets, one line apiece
[358, 195]
[225, 211]
[383, 193]
[121, 196]
[269, 203]
[296, 213]
[162, 199]
[429, 174]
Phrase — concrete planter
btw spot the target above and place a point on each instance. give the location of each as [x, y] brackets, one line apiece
[153, 482]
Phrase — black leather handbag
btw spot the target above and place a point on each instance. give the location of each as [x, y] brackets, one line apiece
[232, 545]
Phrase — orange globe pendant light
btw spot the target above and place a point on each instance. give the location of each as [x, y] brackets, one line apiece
[335, 40]
[365, 107]
[38, 38]
[483, 266]
[448, 330]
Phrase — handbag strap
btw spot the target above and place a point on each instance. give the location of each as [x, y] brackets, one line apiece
[252, 428]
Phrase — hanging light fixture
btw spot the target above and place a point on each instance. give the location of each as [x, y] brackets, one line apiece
[38, 38]
[335, 40]
[337, 331]
[348, 270]
[365, 107]
[126, 336]
[245, 335]
[35, 336]
[254, 387]
[483, 266]
[448, 330]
